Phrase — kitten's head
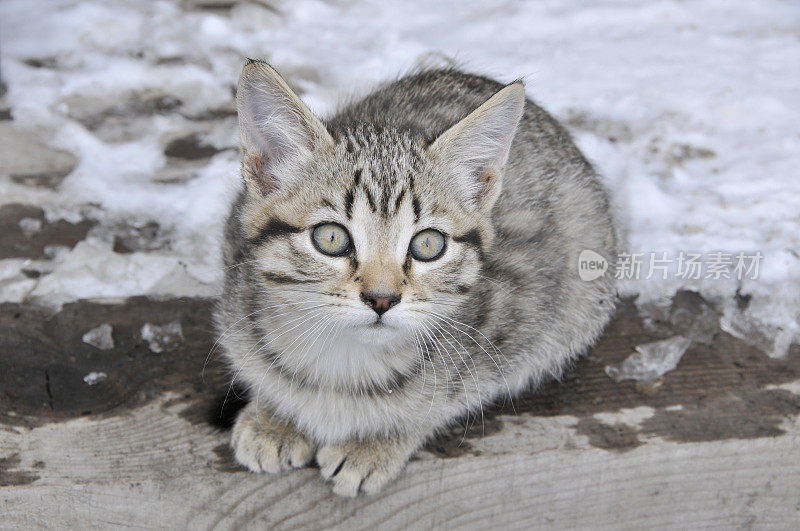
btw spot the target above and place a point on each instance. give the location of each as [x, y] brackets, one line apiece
[373, 232]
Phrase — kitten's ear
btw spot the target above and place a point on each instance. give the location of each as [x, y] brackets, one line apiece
[278, 132]
[475, 150]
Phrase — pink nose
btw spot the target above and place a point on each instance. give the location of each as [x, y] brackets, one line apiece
[380, 302]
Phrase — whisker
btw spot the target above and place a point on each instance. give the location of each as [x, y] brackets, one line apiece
[248, 356]
[421, 341]
[474, 378]
[227, 332]
[497, 351]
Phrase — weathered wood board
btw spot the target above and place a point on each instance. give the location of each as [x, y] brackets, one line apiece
[716, 443]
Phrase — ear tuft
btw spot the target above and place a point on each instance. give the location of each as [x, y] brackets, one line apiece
[257, 175]
[475, 149]
[277, 130]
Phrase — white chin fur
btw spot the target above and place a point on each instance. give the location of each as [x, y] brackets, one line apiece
[366, 328]
[376, 334]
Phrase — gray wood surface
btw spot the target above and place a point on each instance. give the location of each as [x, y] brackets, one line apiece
[714, 443]
[151, 469]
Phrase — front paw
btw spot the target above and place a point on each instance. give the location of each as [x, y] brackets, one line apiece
[263, 443]
[365, 465]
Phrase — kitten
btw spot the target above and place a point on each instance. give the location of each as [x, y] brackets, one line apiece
[399, 266]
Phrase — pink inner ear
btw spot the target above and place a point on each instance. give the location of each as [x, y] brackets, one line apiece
[487, 177]
[255, 172]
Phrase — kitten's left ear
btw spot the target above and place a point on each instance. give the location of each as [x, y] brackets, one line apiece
[278, 132]
[475, 150]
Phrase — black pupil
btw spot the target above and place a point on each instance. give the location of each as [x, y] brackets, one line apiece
[333, 236]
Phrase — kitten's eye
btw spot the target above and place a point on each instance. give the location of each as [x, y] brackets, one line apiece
[331, 239]
[427, 245]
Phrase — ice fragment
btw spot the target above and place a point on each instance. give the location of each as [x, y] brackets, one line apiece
[100, 337]
[651, 360]
[163, 338]
[94, 378]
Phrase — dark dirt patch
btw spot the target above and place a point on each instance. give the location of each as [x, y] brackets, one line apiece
[42, 62]
[15, 244]
[745, 415]
[190, 148]
[9, 477]
[453, 441]
[50, 179]
[136, 104]
[676, 154]
[220, 407]
[720, 385]
[216, 6]
[221, 113]
[43, 360]
[614, 437]
[130, 238]
[613, 130]
[450, 445]
[226, 461]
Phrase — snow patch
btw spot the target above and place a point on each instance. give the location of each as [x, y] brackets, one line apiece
[100, 337]
[30, 226]
[163, 338]
[93, 270]
[94, 378]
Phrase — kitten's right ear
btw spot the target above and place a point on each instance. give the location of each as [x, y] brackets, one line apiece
[278, 132]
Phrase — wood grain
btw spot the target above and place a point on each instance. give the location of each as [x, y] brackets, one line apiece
[714, 445]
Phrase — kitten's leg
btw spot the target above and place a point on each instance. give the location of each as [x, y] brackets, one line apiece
[264, 443]
[367, 464]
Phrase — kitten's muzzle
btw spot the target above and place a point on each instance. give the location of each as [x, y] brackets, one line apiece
[380, 302]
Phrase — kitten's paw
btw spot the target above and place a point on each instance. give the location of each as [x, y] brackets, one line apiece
[363, 465]
[264, 444]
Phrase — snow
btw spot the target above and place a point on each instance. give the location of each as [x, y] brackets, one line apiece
[94, 378]
[163, 338]
[30, 226]
[93, 270]
[100, 337]
[688, 109]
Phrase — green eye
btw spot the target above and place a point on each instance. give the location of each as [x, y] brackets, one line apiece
[331, 239]
[427, 245]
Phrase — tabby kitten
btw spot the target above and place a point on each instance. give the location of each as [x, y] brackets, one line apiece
[399, 266]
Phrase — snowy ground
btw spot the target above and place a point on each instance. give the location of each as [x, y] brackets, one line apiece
[688, 109]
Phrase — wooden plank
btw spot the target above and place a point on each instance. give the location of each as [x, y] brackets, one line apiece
[152, 469]
[715, 444]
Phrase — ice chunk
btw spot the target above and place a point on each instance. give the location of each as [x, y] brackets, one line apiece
[163, 338]
[100, 337]
[774, 341]
[94, 378]
[14, 283]
[687, 314]
[693, 317]
[651, 360]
